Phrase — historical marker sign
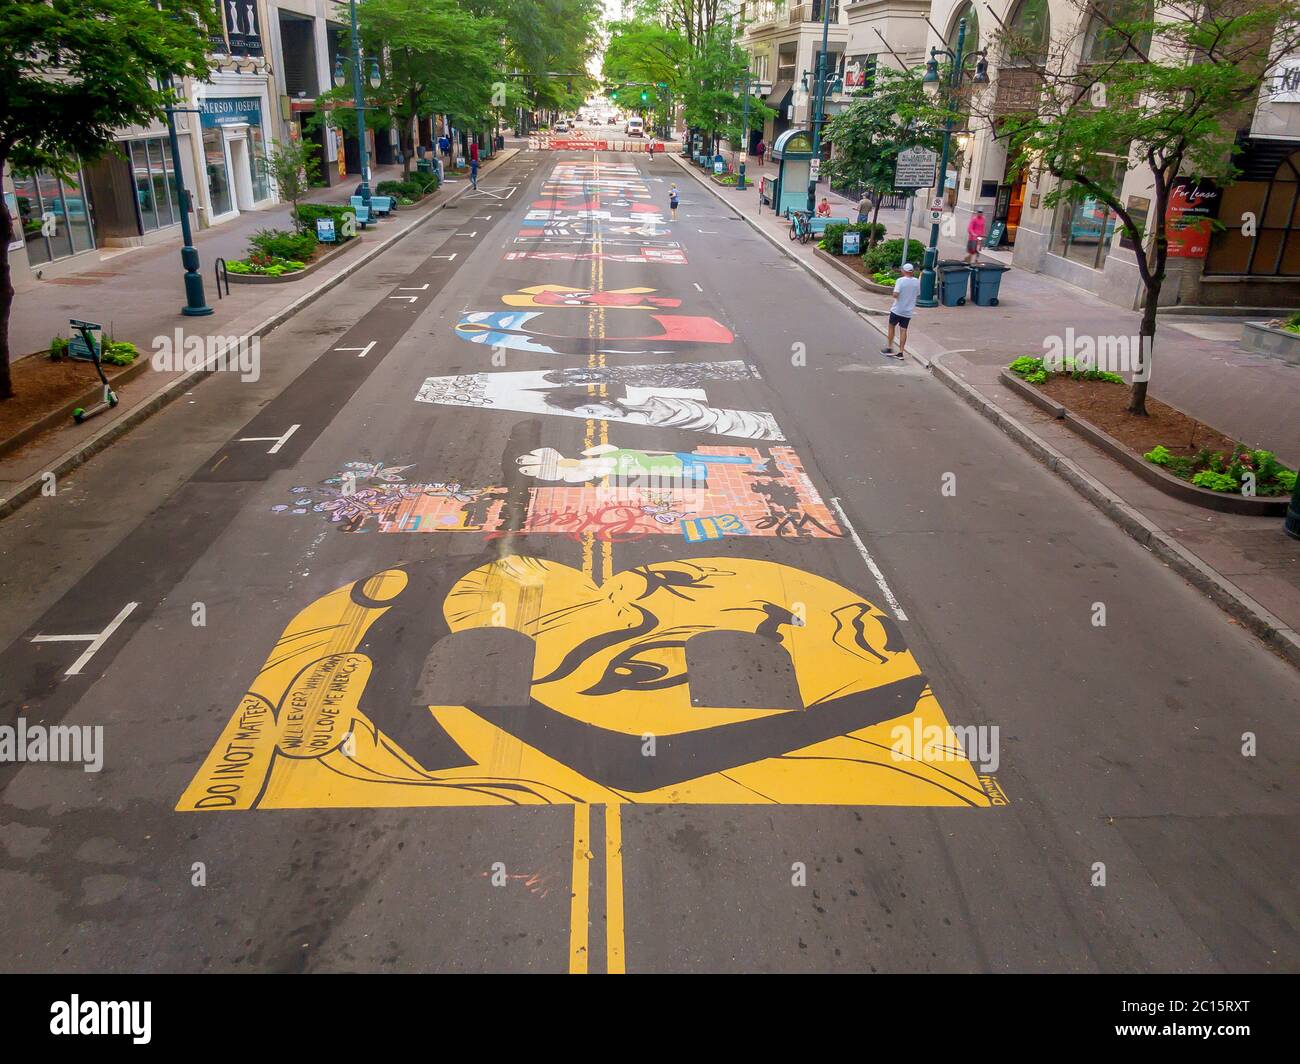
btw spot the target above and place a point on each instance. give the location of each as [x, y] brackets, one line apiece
[915, 168]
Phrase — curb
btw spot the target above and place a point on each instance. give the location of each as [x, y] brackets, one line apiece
[1271, 629]
[1213, 584]
[88, 448]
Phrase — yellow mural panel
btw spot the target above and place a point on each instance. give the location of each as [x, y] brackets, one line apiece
[610, 717]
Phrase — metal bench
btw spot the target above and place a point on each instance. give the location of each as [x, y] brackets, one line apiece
[382, 205]
[362, 212]
[817, 226]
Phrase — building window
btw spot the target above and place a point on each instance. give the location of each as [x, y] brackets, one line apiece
[1083, 229]
[214, 155]
[1105, 42]
[972, 42]
[257, 160]
[55, 215]
[1274, 248]
[151, 166]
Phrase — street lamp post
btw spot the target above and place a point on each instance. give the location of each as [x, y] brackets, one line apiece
[819, 104]
[196, 304]
[750, 83]
[927, 298]
[359, 99]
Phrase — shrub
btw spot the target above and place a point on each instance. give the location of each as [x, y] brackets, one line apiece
[1219, 472]
[280, 243]
[307, 214]
[834, 240]
[59, 348]
[885, 277]
[888, 254]
[118, 353]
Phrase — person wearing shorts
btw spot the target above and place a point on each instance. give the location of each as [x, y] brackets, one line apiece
[974, 234]
[906, 290]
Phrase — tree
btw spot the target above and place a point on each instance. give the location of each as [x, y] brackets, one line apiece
[1166, 94]
[713, 88]
[72, 75]
[893, 114]
[294, 168]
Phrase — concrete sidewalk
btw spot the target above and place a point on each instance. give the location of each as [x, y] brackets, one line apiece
[137, 293]
[141, 296]
[1199, 368]
[1248, 565]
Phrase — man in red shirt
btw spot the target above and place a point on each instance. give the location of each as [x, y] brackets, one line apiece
[473, 162]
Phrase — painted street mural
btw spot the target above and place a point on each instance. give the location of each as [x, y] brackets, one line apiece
[665, 396]
[336, 719]
[615, 494]
[527, 681]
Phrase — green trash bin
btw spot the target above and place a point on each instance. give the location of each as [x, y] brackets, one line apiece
[1292, 523]
[985, 280]
[952, 282]
[424, 166]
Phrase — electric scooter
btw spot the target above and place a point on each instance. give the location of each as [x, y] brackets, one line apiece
[87, 349]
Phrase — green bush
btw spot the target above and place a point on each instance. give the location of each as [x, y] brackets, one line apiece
[834, 239]
[282, 244]
[309, 212]
[118, 353]
[59, 348]
[889, 253]
[1227, 472]
[887, 277]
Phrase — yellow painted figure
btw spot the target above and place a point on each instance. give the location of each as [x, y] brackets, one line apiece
[610, 717]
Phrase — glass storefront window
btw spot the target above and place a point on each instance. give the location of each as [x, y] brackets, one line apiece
[214, 154]
[152, 170]
[1083, 229]
[55, 215]
[257, 159]
[1273, 248]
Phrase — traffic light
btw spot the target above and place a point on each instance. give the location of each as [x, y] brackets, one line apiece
[644, 96]
[614, 95]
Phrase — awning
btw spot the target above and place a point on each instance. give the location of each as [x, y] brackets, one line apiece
[780, 96]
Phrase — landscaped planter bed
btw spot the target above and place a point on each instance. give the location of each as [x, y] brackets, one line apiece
[1096, 410]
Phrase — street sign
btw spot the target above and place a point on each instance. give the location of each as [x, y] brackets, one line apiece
[915, 168]
[816, 167]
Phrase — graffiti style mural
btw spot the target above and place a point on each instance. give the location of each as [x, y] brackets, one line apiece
[651, 255]
[369, 495]
[504, 328]
[563, 295]
[615, 494]
[335, 719]
[646, 398]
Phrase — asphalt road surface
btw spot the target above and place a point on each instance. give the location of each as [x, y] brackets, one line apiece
[578, 589]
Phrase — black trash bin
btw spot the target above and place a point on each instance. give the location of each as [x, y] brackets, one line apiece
[952, 282]
[985, 280]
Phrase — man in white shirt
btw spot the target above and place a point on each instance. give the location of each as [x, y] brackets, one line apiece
[906, 290]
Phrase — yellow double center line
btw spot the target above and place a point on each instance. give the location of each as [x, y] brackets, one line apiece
[580, 904]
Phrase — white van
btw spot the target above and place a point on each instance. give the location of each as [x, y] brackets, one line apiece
[635, 127]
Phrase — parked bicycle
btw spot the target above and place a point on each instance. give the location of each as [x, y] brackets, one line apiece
[800, 226]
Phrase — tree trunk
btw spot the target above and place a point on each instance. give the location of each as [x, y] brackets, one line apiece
[1147, 331]
[6, 298]
[875, 220]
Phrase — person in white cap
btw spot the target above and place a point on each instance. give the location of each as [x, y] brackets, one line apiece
[906, 290]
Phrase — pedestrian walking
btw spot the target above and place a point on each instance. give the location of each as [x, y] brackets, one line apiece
[974, 235]
[760, 150]
[673, 200]
[864, 208]
[906, 290]
[444, 146]
[473, 163]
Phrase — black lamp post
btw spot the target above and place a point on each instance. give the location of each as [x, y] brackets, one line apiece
[196, 304]
[359, 98]
[824, 78]
[932, 81]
